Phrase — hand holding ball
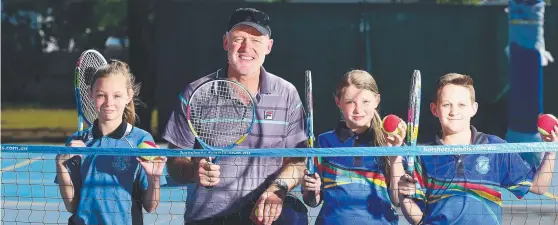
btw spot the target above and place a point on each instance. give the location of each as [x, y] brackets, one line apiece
[149, 144]
[546, 124]
[390, 125]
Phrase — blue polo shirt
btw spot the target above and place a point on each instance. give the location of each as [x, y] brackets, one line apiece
[354, 188]
[110, 188]
[464, 189]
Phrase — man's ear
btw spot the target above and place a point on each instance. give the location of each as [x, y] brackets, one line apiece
[225, 42]
[269, 46]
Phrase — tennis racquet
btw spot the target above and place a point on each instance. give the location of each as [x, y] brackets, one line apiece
[309, 118]
[413, 116]
[88, 63]
[220, 114]
[310, 127]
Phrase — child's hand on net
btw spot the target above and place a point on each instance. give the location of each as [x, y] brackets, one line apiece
[76, 143]
[407, 186]
[153, 167]
[61, 159]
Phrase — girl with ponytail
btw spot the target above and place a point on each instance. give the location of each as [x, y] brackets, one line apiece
[99, 189]
[356, 190]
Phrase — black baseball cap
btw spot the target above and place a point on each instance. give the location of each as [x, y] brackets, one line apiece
[251, 17]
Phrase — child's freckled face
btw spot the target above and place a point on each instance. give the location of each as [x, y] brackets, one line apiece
[454, 108]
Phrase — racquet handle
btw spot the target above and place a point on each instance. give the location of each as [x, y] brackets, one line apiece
[312, 202]
[410, 165]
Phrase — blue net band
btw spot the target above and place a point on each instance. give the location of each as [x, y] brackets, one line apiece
[293, 152]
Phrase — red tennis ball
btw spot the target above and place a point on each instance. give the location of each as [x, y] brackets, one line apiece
[390, 125]
[546, 123]
[148, 144]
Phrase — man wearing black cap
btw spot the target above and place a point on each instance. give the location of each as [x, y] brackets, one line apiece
[246, 190]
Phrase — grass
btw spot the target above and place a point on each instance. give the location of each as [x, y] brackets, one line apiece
[38, 119]
[35, 124]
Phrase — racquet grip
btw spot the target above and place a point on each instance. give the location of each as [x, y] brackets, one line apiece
[310, 165]
[80, 136]
[312, 200]
[211, 161]
[410, 165]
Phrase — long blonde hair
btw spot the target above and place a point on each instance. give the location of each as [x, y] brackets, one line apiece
[116, 68]
[364, 80]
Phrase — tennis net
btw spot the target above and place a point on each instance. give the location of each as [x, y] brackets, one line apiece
[30, 195]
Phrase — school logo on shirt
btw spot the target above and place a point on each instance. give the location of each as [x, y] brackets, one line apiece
[89, 136]
[483, 164]
[268, 115]
[121, 163]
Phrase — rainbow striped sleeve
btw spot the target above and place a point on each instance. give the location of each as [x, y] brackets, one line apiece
[333, 176]
[420, 185]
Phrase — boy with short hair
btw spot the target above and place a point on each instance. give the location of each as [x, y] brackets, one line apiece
[462, 189]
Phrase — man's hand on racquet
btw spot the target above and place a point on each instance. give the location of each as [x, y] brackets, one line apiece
[208, 174]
